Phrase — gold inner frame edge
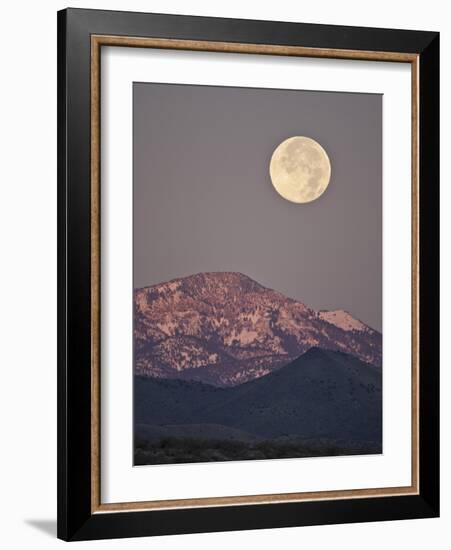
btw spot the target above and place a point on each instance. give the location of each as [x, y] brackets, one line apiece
[97, 41]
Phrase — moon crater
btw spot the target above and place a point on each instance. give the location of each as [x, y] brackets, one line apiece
[300, 169]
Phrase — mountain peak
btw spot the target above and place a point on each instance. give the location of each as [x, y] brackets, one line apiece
[344, 320]
[232, 278]
[219, 278]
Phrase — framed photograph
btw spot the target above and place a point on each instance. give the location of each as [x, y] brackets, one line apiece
[248, 274]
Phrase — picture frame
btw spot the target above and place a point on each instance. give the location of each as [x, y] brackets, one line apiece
[81, 36]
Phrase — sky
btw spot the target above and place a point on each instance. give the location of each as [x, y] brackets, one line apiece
[204, 201]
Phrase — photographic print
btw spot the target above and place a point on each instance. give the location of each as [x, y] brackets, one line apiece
[257, 269]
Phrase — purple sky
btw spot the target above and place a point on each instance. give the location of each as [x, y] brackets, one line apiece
[203, 199]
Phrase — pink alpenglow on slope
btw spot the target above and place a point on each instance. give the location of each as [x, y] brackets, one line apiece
[225, 329]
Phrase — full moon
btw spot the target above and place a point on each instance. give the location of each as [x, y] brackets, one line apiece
[300, 169]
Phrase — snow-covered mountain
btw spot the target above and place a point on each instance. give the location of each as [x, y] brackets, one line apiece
[344, 320]
[225, 329]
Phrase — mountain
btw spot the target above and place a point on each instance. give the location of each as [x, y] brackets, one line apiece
[343, 320]
[225, 329]
[322, 395]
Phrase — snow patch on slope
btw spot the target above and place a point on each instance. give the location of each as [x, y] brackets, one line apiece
[342, 319]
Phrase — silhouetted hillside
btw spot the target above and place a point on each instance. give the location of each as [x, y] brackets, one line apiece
[323, 396]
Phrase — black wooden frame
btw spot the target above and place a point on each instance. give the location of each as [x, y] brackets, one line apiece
[75, 520]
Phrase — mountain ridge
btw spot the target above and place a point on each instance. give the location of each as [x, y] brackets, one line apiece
[322, 394]
[224, 328]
